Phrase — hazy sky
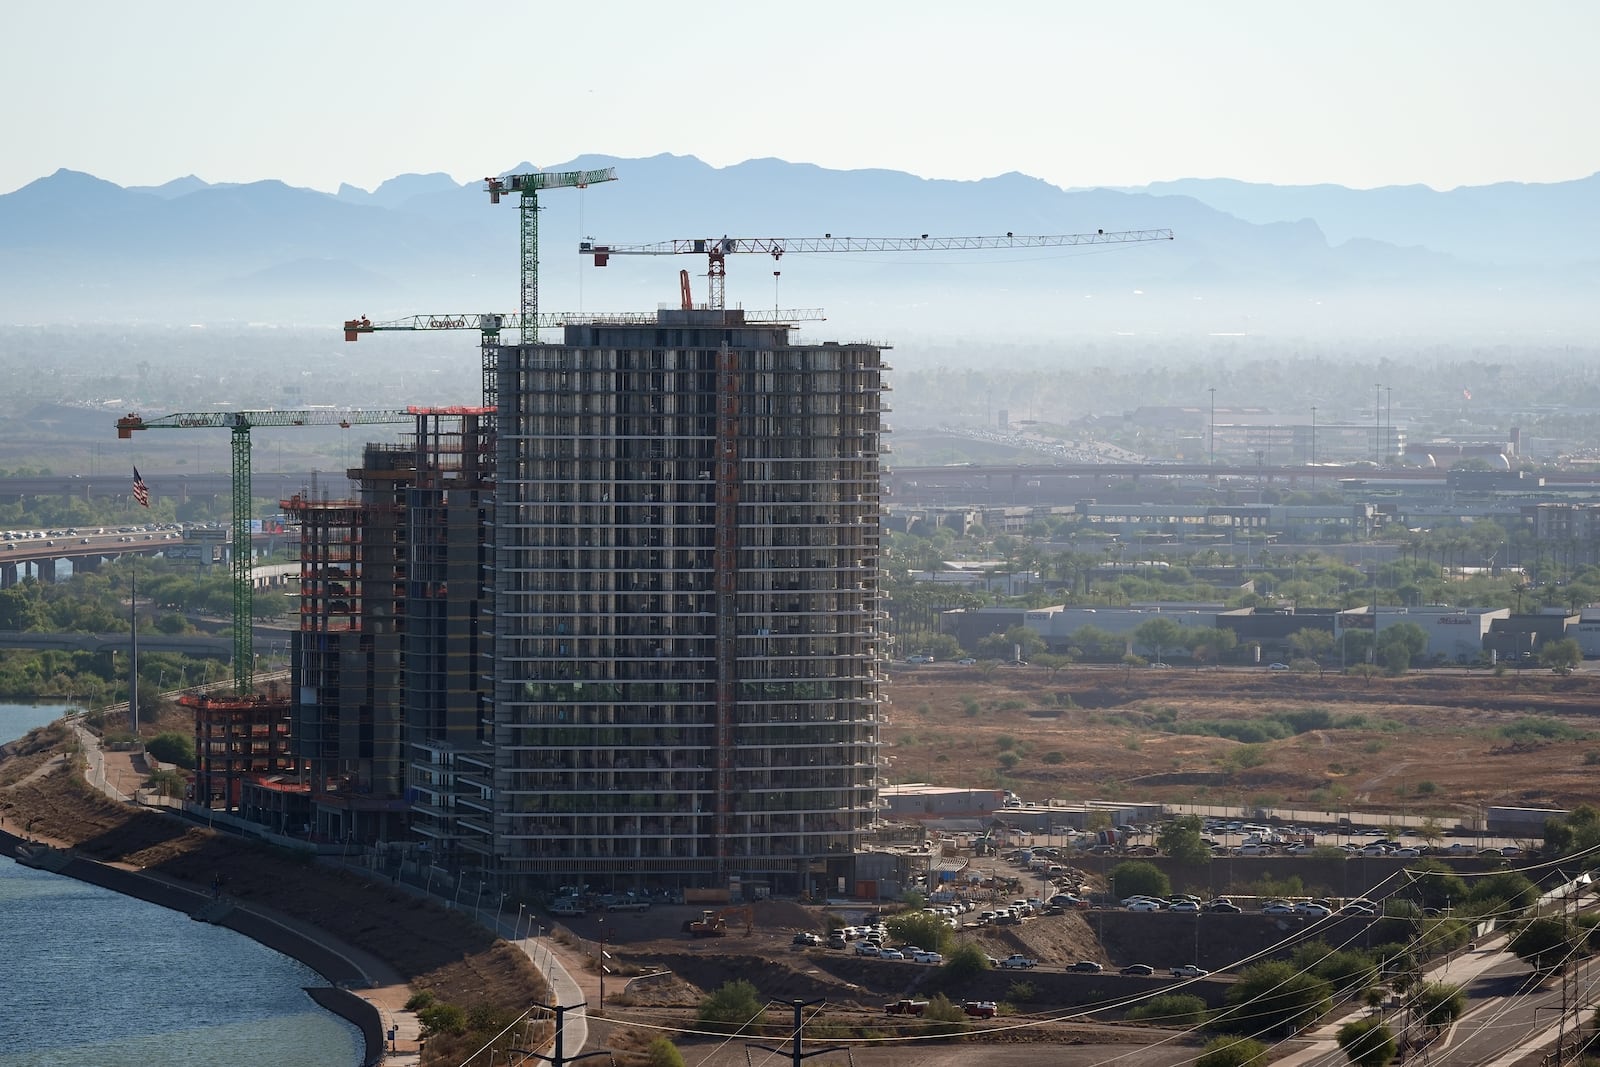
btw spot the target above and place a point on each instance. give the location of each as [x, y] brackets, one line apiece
[1441, 92]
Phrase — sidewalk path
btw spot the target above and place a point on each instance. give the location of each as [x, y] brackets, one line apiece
[1324, 1050]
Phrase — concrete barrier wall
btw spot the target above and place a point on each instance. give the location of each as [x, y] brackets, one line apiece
[328, 963]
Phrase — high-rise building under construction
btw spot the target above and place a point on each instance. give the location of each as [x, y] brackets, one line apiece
[685, 619]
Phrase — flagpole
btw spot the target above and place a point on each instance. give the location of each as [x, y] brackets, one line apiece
[133, 654]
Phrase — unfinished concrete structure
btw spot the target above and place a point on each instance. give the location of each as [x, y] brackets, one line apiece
[686, 620]
[386, 663]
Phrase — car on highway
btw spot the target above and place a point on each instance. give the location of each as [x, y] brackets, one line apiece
[967, 662]
[1143, 905]
[1277, 666]
[1314, 911]
[866, 949]
[1278, 907]
[1184, 906]
[1017, 961]
[808, 939]
[1086, 967]
[927, 957]
[1139, 969]
[1189, 970]
[981, 1009]
[891, 954]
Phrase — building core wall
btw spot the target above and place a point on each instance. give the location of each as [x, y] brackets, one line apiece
[686, 620]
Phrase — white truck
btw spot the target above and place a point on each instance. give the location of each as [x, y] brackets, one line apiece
[1018, 961]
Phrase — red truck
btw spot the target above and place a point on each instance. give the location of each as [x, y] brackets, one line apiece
[980, 1009]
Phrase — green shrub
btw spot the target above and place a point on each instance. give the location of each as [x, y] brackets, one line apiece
[440, 1018]
[966, 962]
[733, 1006]
[1021, 992]
[1173, 1009]
[1232, 1052]
[663, 1053]
[172, 747]
[942, 1018]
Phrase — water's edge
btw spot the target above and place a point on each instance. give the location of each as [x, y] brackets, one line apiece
[333, 967]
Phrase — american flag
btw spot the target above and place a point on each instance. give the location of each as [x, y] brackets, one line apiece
[141, 492]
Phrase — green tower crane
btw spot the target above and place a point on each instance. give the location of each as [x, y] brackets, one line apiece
[528, 185]
[241, 423]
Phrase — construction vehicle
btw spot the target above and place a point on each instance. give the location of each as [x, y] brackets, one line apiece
[241, 423]
[714, 923]
[717, 249]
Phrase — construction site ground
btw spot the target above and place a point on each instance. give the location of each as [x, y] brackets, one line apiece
[1434, 742]
[1449, 742]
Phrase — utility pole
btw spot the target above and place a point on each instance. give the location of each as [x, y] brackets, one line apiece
[796, 1057]
[1313, 446]
[1213, 391]
[559, 1058]
[133, 645]
[1388, 421]
[1377, 423]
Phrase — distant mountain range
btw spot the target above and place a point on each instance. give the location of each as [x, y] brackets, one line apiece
[1247, 258]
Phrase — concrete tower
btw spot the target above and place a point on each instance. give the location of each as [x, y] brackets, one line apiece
[686, 666]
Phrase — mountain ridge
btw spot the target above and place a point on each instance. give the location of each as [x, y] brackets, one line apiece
[189, 249]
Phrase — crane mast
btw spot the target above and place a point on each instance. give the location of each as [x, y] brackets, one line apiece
[528, 185]
[717, 249]
[240, 423]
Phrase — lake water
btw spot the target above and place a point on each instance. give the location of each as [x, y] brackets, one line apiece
[90, 976]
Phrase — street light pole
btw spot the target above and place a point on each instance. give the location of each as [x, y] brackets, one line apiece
[1313, 447]
[1213, 391]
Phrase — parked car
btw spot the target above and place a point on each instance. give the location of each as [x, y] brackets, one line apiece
[905, 1007]
[1139, 969]
[980, 1009]
[1189, 970]
[1086, 967]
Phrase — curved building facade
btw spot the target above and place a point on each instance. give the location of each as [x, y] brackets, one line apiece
[686, 674]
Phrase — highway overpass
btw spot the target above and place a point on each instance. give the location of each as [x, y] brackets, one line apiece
[164, 485]
[149, 641]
